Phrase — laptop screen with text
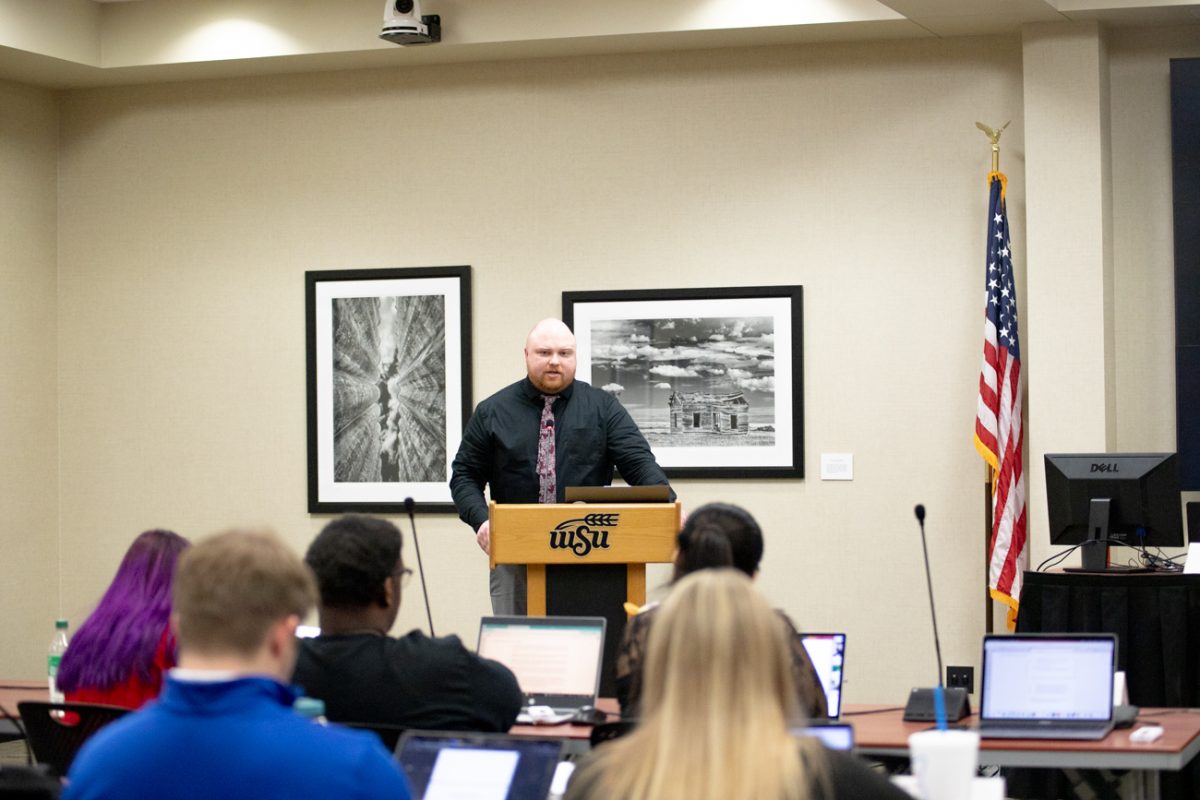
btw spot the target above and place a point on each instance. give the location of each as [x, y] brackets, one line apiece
[556, 659]
[1067, 679]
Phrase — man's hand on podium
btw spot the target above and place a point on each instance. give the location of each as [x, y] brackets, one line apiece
[483, 537]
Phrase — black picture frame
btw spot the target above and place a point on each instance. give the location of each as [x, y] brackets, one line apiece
[713, 376]
[400, 337]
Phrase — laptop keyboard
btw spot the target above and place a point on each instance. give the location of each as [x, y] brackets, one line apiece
[1087, 734]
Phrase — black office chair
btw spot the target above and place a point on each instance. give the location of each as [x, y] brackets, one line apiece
[607, 731]
[388, 734]
[56, 731]
[28, 783]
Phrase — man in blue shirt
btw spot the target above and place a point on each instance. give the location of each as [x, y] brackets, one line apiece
[532, 439]
[224, 725]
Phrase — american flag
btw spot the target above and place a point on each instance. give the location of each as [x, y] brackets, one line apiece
[999, 434]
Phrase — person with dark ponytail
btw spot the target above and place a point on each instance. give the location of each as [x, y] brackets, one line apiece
[715, 535]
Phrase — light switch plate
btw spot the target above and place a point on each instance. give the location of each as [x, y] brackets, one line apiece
[837, 466]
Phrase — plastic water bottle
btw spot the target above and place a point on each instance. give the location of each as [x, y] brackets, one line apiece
[58, 646]
[311, 708]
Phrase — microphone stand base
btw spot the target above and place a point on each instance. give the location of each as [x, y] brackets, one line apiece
[920, 707]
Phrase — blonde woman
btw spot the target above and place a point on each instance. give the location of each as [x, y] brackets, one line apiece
[718, 701]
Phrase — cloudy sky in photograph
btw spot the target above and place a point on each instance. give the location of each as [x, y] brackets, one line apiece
[649, 358]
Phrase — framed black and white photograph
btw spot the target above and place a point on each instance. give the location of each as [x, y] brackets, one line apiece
[713, 377]
[389, 386]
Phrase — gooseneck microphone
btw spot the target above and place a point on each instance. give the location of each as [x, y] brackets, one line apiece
[412, 521]
[937, 642]
[939, 694]
[937, 704]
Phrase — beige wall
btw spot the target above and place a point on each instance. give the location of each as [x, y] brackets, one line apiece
[189, 212]
[29, 589]
[1068, 330]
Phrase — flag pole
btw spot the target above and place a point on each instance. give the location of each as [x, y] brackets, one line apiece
[989, 476]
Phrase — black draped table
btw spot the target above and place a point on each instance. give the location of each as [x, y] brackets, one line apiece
[1156, 617]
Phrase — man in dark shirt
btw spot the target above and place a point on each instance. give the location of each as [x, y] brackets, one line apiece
[366, 676]
[590, 432]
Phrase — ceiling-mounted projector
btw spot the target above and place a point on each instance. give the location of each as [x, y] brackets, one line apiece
[403, 23]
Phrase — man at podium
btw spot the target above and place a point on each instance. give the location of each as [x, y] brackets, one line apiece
[532, 439]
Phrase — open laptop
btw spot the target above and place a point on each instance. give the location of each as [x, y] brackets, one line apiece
[482, 766]
[1047, 686]
[827, 652]
[654, 493]
[556, 659]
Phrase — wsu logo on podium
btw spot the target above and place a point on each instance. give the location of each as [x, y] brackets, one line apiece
[582, 535]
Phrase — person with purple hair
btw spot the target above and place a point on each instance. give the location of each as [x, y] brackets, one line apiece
[121, 651]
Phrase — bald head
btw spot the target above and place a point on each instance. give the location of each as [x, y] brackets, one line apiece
[549, 328]
[550, 356]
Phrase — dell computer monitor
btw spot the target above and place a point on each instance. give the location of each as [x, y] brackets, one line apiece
[1124, 498]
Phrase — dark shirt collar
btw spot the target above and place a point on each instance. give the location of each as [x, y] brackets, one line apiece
[534, 395]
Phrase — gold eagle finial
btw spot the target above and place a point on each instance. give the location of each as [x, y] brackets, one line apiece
[994, 137]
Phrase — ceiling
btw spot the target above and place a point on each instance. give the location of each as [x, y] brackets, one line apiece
[78, 43]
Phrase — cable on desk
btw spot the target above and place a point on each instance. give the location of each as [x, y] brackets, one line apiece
[1160, 562]
[872, 711]
[1057, 558]
[1155, 561]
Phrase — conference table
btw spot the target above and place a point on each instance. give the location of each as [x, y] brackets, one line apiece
[880, 730]
[16, 691]
[577, 737]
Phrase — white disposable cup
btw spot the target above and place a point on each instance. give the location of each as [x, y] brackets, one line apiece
[944, 763]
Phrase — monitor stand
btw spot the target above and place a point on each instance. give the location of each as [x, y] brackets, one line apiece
[1095, 562]
[1095, 550]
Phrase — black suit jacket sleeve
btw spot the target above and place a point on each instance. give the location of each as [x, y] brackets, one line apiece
[472, 471]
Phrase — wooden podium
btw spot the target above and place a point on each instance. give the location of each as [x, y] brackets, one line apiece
[585, 559]
[537, 534]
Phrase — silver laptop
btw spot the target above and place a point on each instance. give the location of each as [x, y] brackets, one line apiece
[1047, 686]
[827, 652]
[451, 766]
[556, 659]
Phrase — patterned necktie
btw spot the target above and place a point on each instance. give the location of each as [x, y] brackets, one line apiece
[546, 459]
